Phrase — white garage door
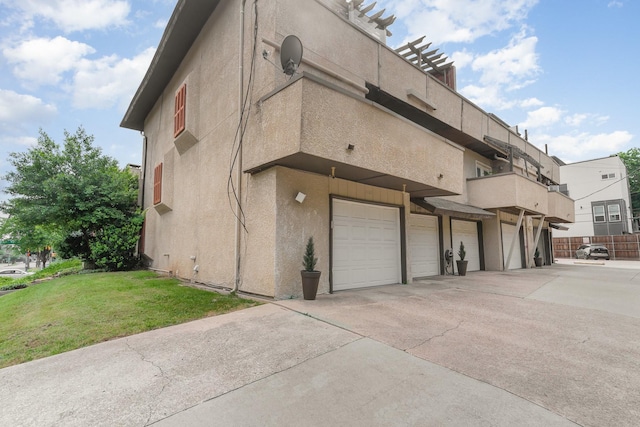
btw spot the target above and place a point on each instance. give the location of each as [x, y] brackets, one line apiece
[424, 245]
[366, 245]
[467, 232]
[508, 231]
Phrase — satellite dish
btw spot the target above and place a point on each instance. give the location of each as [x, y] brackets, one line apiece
[290, 54]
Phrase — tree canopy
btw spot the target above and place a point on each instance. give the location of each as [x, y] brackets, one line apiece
[631, 160]
[75, 197]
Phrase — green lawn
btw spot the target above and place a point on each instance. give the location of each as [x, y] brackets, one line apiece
[83, 309]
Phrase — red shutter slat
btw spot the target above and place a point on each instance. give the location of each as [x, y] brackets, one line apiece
[180, 110]
[157, 184]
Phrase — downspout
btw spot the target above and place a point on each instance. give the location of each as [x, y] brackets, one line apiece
[144, 168]
[142, 186]
[236, 282]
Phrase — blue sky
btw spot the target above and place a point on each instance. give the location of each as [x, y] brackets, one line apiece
[565, 70]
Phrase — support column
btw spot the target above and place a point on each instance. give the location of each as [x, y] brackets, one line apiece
[536, 240]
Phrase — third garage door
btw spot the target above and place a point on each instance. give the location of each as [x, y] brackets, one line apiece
[508, 233]
[467, 232]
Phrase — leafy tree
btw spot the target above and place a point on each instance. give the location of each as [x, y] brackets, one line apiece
[631, 160]
[77, 193]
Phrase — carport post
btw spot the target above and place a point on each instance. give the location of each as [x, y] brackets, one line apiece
[515, 239]
[535, 242]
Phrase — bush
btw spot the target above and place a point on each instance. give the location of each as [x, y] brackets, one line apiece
[113, 248]
[13, 286]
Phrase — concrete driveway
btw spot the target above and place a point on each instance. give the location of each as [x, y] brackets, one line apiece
[552, 346]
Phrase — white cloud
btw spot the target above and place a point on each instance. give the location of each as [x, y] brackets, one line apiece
[109, 81]
[462, 58]
[542, 117]
[576, 119]
[502, 70]
[615, 3]
[43, 61]
[511, 66]
[77, 15]
[20, 108]
[580, 146]
[460, 20]
[488, 97]
[161, 23]
[531, 102]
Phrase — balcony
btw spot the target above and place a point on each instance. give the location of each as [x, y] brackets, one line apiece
[314, 126]
[561, 208]
[509, 192]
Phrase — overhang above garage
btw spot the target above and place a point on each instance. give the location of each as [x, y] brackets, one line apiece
[439, 206]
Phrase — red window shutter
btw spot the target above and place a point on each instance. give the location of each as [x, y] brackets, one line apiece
[157, 184]
[179, 115]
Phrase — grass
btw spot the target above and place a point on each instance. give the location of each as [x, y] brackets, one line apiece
[60, 268]
[82, 309]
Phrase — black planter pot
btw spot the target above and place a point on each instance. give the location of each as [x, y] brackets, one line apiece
[310, 280]
[538, 261]
[462, 267]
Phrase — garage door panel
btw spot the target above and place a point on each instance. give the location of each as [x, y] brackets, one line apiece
[467, 232]
[366, 245]
[508, 233]
[424, 245]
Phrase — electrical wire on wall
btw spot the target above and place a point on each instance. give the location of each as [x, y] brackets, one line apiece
[245, 110]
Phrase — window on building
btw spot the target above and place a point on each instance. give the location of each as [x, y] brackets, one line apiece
[614, 213]
[608, 175]
[482, 170]
[180, 109]
[157, 184]
[598, 214]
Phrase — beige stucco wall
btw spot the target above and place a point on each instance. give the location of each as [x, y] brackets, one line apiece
[278, 226]
[364, 59]
[199, 225]
[492, 243]
[470, 160]
[315, 119]
[508, 190]
[561, 208]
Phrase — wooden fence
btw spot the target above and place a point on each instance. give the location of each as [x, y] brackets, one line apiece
[626, 246]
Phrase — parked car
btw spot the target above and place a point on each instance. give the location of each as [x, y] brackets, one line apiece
[14, 273]
[592, 251]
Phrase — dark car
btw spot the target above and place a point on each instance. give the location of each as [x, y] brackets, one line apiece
[590, 251]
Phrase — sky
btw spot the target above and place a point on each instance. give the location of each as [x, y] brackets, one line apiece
[564, 70]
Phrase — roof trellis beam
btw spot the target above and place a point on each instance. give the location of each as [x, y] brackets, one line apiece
[425, 60]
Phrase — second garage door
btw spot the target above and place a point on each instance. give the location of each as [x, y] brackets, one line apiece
[467, 232]
[366, 245]
[424, 245]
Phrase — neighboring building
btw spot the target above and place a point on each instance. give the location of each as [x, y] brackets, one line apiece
[368, 149]
[600, 189]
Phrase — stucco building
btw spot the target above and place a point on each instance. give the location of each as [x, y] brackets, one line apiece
[367, 148]
[602, 197]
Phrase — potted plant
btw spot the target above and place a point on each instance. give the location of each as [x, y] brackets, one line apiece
[310, 277]
[462, 263]
[537, 258]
